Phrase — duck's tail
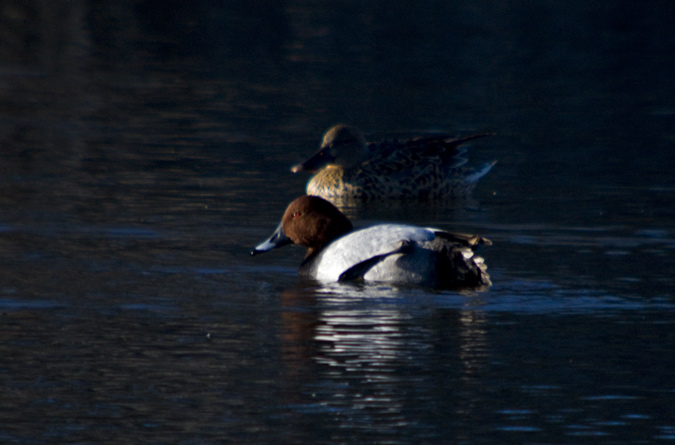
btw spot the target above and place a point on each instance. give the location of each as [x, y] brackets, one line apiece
[484, 277]
[475, 175]
[470, 270]
[458, 266]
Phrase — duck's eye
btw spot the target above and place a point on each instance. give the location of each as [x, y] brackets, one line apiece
[295, 215]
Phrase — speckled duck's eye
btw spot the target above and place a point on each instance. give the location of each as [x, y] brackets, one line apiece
[295, 215]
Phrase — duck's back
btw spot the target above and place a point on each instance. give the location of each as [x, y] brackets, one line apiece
[395, 253]
[362, 245]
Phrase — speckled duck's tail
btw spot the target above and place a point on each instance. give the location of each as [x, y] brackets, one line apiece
[475, 175]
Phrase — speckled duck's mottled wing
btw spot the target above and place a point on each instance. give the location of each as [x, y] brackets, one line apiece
[422, 168]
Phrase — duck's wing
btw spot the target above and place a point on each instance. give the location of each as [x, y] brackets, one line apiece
[357, 271]
[448, 149]
[389, 157]
[357, 252]
[464, 239]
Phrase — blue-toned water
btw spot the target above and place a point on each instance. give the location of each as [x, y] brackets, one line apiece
[145, 149]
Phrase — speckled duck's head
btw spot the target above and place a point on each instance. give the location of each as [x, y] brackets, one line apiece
[342, 147]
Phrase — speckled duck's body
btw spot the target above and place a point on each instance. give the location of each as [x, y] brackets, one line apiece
[431, 167]
[427, 182]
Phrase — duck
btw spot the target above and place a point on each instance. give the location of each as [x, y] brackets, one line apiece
[384, 253]
[346, 167]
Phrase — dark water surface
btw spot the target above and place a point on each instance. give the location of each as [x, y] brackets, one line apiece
[145, 148]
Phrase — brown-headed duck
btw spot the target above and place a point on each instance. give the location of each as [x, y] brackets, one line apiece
[390, 253]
